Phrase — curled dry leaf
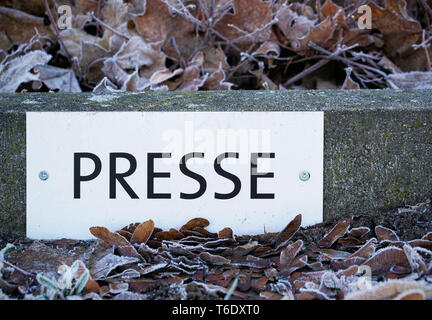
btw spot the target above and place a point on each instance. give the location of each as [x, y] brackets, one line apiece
[385, 234]
[143, 232]
[337, 232]
[415, 259]
[117, 287]
[391, 289]
[121, 243]
[164, 75]
[62, 80]
[412, 80]
[358, 232]
[413, 294]
[225, 233]
[366, 250]
[216, 81]
[18, 27]
[352, 261]
[399, 30]
[172, 234]
[332, 254]
[385, 258]
[247, 25]
[103, 267]
[288, 231]
[427, 236]
[289, 253]
[16, 71]
[213, 259]
[157, 24]
[196, 222]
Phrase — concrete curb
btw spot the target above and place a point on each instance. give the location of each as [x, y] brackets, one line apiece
[377, 143]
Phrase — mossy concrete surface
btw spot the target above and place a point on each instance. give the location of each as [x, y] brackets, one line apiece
[377, 143]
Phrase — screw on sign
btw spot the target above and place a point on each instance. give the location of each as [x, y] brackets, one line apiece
[304, 176]
[43, 175]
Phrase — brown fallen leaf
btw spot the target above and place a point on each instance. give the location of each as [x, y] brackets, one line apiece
[391, 289]
[124, 247]
[158, 24]
[172, 234]
[287, 233]
[413, 294]
[259, 285]
[412, 80]
[385, 258]
[214, 259]
[247, 25]
[125, 234]
[358, 232]
[334, 234]
[289, 253]
[225, 233]
[196, 222]
[18, 27]
[427, 236]
[399, 30]
[353, 261]
[366, 250]
[332, 254]
[384, 233]
[143, 232]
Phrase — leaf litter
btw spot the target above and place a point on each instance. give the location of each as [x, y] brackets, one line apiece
[386, 255]
[121, 45]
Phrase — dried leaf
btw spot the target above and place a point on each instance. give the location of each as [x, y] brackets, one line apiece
[390, 289]
[103, 267]
[16, 71]
[412, 80]
[289, 253]
[287, 233]
[225, 233]
[196, 222]
[143, 232]
[213, 259]
[366, 250]
[246, 24]
[113, 238]
[157, 24]
[54, 78]
[384, 233]
[337, 232]
[19, 27]
[385, 258]
[358, 232]
[172, 234]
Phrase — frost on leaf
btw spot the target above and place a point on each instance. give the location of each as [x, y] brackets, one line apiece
[249, 24]
[16, 71]
[134, 64]
[159, 23]
[54, 78]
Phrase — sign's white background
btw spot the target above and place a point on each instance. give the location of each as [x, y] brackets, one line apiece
[296, 138]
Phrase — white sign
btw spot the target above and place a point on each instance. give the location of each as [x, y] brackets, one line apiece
[251, 171]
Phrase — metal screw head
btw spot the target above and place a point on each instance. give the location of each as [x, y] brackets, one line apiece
[43, 175]
[304, 175]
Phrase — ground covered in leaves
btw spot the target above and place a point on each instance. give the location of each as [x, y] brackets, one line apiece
[377, 256]
[139, 45]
